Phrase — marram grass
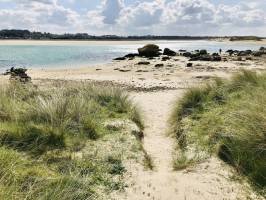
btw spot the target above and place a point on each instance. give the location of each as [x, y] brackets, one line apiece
[43, 132]
[226, 118]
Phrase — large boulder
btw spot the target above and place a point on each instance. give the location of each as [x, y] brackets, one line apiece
[169, 52]
[149, 50]
[203, 52]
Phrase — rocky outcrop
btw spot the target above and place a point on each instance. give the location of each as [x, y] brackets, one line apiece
[257, 53]
[202, 55]
[260, 52]
[150, 50]
[120, 58]
[18, 74]
[169, 52]
[206, 58]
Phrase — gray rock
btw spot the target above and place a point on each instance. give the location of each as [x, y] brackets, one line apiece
[143, 63]
[169, 52]
[165, 58]
[149, 50]
[159, 65]
[120, 58]
[189, 64]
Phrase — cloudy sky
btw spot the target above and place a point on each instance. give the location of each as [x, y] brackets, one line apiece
[135, 17]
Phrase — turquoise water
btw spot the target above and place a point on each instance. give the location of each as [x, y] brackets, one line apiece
[64, 55]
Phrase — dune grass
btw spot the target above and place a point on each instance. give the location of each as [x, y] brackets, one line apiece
[226, 118]
[53, 144]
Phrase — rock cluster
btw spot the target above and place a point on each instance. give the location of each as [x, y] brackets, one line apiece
[18, 74]
[258, 53]
[149, 51]
[201, 55]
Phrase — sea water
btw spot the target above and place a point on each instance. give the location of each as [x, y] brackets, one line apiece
[61, 54]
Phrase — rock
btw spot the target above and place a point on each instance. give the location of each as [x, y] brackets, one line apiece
[18, 74]
[169, 52]
[189, 64]
[159, 65]
[263, 50]
[244, 53]
[216, 58]
[120, 58]
[149, 50]
[141, 70]
[165, 58]
[230, 52]
[206, 58]
[203, 52]
[186, 54]
[257, 53]
[143, 63]
[239, 58]
[131, 55]
[204, 77]
[124, 70]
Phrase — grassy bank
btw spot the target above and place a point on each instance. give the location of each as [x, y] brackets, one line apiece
[56, 143]
[226, 118]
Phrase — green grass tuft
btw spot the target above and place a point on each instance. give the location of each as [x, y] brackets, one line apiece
[53, 142]
[226, 118]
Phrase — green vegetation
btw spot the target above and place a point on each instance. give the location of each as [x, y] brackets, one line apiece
[240, 38]
[54, 144]
[227, 118]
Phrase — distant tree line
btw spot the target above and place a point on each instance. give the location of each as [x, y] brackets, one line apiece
[26, 34]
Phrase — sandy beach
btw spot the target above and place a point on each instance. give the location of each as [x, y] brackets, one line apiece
[170, 74]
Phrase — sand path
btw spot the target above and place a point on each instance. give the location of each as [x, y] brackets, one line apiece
[209, 180]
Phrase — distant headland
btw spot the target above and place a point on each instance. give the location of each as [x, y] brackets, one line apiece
[33, 35]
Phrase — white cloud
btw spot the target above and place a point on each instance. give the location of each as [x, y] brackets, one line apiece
[175, 17]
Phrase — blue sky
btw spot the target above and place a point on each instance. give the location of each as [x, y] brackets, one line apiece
[137, 17]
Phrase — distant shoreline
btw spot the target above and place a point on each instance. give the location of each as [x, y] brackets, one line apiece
[112, 42]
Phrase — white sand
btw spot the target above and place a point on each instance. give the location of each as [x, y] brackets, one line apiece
[209, 180]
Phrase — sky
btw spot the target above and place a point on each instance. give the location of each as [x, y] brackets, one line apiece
[136, 17]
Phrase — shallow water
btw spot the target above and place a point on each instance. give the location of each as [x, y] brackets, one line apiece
[78, 54]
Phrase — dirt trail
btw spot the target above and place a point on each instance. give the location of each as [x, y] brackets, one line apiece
[208, 180]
